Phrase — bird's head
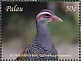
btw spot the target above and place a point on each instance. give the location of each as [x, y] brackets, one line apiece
[46, 16]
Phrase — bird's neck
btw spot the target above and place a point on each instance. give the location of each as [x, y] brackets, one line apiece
[43, 35]
[42, 29]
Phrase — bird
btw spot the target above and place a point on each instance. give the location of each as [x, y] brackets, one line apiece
[42, 47]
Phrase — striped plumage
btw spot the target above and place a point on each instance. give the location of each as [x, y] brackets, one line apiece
[42, 46]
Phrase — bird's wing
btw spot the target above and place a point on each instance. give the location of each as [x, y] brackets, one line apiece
[54, 51]
[23, 55]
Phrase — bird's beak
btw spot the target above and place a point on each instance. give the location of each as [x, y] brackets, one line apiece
[57, 19]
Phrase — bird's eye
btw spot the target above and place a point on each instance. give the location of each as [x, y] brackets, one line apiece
[47, 15]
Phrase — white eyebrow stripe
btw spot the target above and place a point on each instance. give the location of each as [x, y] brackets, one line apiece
[43, 13]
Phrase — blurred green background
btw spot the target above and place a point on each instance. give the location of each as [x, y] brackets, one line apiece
[19, 28]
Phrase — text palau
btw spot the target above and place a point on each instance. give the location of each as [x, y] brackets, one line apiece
[14, 8]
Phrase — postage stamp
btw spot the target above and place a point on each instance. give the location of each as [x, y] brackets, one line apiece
[39, 30]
